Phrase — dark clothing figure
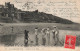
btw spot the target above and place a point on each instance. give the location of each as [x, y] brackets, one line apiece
[26, 37]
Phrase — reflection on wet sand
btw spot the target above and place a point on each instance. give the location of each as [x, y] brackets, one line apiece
[9, 40]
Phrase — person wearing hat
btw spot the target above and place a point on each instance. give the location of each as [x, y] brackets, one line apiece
[55, 33]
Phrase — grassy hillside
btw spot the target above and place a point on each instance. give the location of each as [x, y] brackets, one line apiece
[36, 16]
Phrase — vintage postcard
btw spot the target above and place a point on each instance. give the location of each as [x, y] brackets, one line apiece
[39, 25]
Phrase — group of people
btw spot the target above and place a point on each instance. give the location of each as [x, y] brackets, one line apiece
[46, 32]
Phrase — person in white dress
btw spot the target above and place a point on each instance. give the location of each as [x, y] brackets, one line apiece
[48, 36]
[43, 36]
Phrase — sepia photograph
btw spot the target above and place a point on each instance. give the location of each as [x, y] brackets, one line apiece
[31, 23]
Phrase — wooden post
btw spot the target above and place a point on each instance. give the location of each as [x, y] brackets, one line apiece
[12, 31]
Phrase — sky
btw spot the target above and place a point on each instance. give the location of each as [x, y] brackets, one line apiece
[68, 9]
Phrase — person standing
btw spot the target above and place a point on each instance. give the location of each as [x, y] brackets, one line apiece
[36, 34]
[43, 36]
[55, 33]
[26, 37]
[48, 36]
